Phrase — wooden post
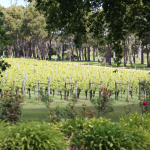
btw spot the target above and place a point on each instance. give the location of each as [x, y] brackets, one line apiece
[48, 88]
[115, 90]
[76, 88]
[90, 89]
[23, 91]
[99, 89]
[127, 89]
[139, 90]
[13, 86]
[65, 91]
[38, 89]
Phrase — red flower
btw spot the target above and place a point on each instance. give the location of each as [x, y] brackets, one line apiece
[144, 103]
[17, 105]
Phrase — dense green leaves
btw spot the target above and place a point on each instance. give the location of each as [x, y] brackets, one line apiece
[120, 16]
[32, 135]
[102, 134]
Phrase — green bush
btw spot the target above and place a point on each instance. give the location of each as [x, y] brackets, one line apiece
[71, 125]
[10, 106]
[135, 120]
[101, 134]
[32, 135]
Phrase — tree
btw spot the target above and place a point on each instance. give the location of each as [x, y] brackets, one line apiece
[4, 39]
[70, 13]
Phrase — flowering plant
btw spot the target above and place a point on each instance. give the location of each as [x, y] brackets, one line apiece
[145, 97]
[10, 106]
[144, 103]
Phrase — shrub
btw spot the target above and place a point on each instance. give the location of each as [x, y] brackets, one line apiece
[10, 106]
[104, 103]
[101, 134]
[32, 135]
[135, 120]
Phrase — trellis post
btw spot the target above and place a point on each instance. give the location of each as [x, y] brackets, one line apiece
[127, 89]
[100, 91]
[139, 90]
[38, 90]
[115, 90]
[90, 89]
[76, 88]
[65, 91]
[23, 91]
[48, 88]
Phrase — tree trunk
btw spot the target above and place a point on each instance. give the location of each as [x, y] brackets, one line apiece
[49, 48]
[73, 54]
[63, 49]
[139, 51]
[134, 55]
[93, 53]
[114, 56]
[77, 54]
[85, 54]
[70, 52]
[148, 58]
[97, 55]
[30, 50]
[34, 52]
[82, 54]
[127, 56]
[142, 59]
[108, 54]
[9, 50]
[88, 53]
[1, 52]
[17, 50]
[124, 55]
[58, 53]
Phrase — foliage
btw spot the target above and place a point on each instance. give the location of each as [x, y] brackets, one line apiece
[103, 104]
[119, 17]
[10, 106]
[128, 109]
[32, 135]
[45, 98]
[102, 134]
[67, 113]
[4, 39]
[136, 120]
[3, 66]
[69, 126]
[145, 101]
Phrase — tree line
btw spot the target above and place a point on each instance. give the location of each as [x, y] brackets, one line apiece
[73, 28]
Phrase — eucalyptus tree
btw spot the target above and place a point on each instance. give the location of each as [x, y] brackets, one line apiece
[33, 24]
[12, 17]
[5, 39]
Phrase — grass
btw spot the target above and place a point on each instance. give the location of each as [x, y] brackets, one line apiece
[34, 109]
[128, 66]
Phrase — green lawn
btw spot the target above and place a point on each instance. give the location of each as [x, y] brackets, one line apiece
[34, 109]
[128, 66]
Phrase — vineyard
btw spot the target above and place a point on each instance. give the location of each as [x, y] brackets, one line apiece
[32, 71]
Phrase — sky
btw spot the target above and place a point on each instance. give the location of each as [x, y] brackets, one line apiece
[6, 3]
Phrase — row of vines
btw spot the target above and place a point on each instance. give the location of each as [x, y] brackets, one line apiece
[31, 70]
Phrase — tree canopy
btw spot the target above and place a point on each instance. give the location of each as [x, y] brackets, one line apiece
[120, 16]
